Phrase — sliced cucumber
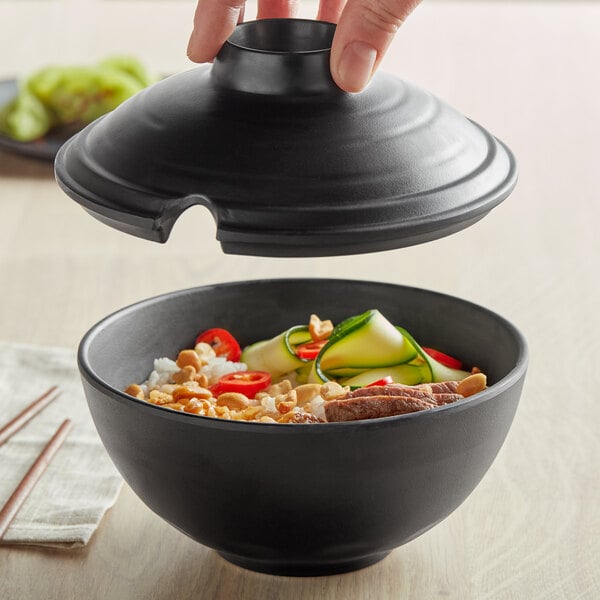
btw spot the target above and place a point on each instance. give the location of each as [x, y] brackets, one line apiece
[316, 376]
[408, 374]
[365, 341]
[343, 373]
[361, 349]
[298, 335]
[277, 355]
[303, 372]
[439, 372]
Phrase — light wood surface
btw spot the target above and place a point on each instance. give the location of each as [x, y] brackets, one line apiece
[531, 530]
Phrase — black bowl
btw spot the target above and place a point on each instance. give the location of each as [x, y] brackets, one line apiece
[300, 499]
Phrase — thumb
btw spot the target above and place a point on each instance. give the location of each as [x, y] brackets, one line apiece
[365, 30]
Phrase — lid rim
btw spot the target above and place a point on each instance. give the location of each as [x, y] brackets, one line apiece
[248, 239]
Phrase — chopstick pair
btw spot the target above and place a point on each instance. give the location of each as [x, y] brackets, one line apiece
[26, 485]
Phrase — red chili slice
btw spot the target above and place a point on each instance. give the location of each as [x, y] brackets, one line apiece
[248, 383]
[444, 359]
[222, 342]
[383, 381]
[310, 350]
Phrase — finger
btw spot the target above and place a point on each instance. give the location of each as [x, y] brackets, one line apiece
[277, 9]
[330, 10]
[365, 30]
[214, 21]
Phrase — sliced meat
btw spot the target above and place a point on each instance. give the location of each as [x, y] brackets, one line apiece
[393, 389]
[444, 387]
[394, 399]
[373, 407]
[441, 399]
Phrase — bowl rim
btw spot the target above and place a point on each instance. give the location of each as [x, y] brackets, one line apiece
[515, 374]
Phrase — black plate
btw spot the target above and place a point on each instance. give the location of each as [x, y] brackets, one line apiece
[46, 147]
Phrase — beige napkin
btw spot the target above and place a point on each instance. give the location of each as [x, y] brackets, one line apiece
[80, 484]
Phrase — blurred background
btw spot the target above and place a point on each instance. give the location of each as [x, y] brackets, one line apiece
[58, 31]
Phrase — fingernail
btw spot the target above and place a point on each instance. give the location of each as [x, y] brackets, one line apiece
[356, 65]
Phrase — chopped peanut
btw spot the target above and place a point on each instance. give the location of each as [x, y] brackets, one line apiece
[201, 379]
[332, 390]
[233, 400]
[250, 413]
[266, 419]
[288, 416]
[182, 392]
[472, 384]
[135, 390]
[188, 373]
[157, 397]
[174, 406]
[319, 330]
[286, 403]
[307, 392]
[196, 407]
[204, 351]
[189, 357]
[283, 387]
[222, 411]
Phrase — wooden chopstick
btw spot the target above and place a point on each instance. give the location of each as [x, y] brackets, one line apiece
[28, 413]
[14, 503]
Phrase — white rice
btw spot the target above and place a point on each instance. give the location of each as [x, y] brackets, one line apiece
[219, 366]
[164, 368]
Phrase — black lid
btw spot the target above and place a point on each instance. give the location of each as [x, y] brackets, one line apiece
[288, 164]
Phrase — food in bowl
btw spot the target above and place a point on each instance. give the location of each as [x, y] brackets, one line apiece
[363, 368]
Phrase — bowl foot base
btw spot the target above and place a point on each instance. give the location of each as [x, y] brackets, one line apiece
[295, 569]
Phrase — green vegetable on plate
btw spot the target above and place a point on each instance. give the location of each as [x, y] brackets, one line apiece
[58, 96]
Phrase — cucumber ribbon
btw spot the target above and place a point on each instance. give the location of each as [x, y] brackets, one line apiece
[277, 355]
[367, 347]
[360, 350]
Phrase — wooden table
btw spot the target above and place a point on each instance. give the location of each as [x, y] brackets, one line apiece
[531, 530]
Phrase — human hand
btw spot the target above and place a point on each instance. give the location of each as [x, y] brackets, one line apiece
[364, 32]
